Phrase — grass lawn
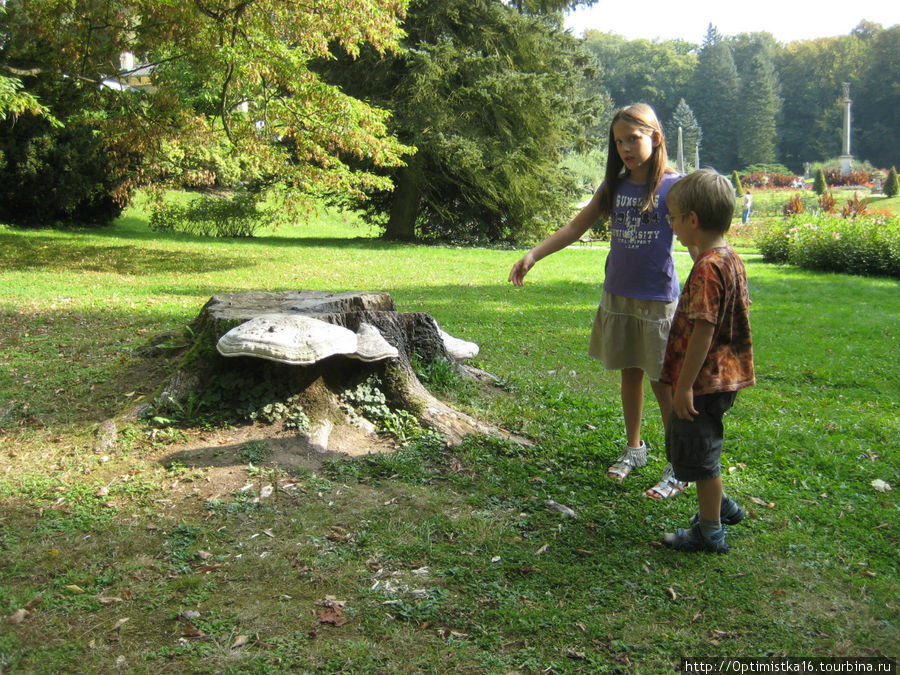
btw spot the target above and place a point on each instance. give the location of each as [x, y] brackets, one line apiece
[430, 560]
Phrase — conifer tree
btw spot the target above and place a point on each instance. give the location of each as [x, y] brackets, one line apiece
[892, 184]
[757, 113]
[691, 133]
[715, 96]
[820, 185]
[736, 181]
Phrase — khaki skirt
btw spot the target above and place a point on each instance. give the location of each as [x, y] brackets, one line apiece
[631, 333]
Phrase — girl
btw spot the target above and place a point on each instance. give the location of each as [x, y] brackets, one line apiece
[640, 291]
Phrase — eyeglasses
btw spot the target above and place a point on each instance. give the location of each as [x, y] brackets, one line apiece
[670, 218]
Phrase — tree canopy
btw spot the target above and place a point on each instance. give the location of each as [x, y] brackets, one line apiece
[238, 68]
[491, 98]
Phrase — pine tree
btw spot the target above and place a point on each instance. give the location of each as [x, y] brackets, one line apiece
[756, 117]
[820, 185]
[892, 184]
[715, 96]
[691, 133]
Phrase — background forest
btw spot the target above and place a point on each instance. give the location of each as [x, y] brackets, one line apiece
[456, 120]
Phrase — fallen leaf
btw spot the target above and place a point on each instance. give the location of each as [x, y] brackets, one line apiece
[106, 601]
[118, 625]
[762, 502]
[390, 501]
[34, 602]
[269, 533]
[17, 617]
[72, 588]
[240, 641]
[672, 593]
[204, 555]
[192, 632]
[210, 568]
[867, 573]
[542, 549]
[332, 614]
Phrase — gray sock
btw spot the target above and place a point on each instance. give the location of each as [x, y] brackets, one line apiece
[707, 527]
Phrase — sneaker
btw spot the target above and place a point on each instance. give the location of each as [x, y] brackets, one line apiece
[694, 540]
[729, 514]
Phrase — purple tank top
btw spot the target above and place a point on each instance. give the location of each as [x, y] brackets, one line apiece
[640, 263]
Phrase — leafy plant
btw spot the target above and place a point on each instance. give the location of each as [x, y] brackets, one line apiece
[855, 207]
[794, 205]
[827, 202]
[255, 452]
[290, 412]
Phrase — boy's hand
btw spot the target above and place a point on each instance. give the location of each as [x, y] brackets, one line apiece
[683, 404]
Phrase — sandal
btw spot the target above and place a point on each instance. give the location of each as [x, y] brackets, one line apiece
[694, 540]
[729, 514]
[631, 458]
[668, 486]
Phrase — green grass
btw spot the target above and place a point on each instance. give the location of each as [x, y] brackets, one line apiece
[446, 560]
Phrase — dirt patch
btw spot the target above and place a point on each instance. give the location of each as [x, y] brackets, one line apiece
[223, 454]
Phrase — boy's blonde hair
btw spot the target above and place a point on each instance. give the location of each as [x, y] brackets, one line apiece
[708, 194]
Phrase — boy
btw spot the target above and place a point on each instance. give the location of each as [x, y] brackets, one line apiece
[709, 355]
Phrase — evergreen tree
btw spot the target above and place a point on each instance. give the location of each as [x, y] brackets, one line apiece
[876, 98]
[691, 133]
[491, 98]
[736, 181]
[820, 185]
[715, 98]
[892, 184]
[757, 113]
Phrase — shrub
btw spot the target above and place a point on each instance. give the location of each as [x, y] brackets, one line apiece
[765, 179]
[856, 177]
[58, 176]
[892, 184]
[820, 184]
[236, 216]
[866, 245]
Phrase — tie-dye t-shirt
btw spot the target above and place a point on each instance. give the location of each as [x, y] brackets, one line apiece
[715, 291]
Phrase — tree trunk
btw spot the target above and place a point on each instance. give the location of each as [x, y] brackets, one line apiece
[405, 206]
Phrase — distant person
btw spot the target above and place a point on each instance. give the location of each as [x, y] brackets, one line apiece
[746, 207]
[709, 355]
[640, 290]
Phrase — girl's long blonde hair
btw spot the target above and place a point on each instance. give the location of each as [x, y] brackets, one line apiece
[642, 116]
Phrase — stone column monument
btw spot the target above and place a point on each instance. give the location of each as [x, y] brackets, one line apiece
[846, 157]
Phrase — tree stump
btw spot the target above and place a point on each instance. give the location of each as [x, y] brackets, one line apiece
[319, 384]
